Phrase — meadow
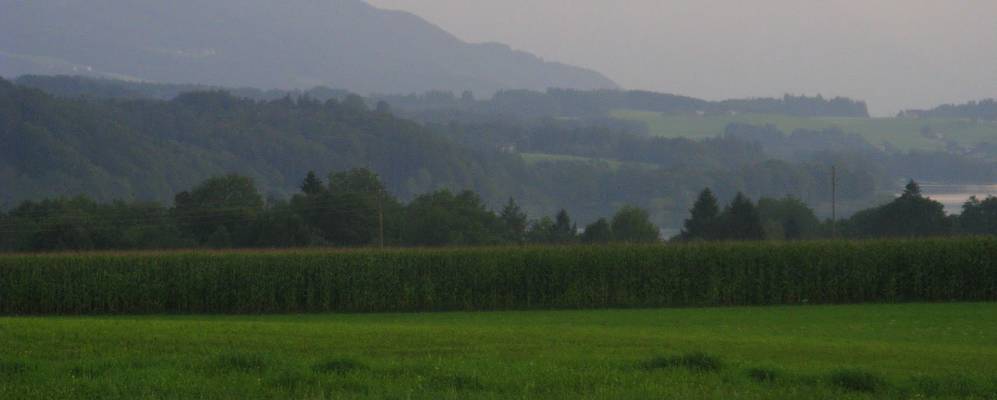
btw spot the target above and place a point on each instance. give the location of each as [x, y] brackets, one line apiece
[613, 165]
[901, 133]
[907, 351]
[547, 322]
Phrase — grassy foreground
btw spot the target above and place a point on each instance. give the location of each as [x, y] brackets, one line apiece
[867, 351]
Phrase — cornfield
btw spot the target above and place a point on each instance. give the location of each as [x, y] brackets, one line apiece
[720, 274]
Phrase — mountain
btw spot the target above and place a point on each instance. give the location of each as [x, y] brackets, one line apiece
[263, 43]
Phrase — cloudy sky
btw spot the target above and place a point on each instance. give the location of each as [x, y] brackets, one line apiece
[895, 54]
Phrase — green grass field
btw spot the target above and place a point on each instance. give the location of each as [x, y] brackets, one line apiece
[536, 158]
[903, 133]
[870, 351]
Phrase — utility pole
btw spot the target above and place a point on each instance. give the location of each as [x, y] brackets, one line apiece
[834, 202]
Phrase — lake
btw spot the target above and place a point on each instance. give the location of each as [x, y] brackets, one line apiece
[953, 196]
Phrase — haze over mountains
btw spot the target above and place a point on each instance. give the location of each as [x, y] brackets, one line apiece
[894, 54]
[261, 43]
[587, 151]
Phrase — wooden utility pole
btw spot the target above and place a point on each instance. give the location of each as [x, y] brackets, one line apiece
[834, 202]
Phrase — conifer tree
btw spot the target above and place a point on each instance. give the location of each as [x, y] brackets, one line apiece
[312, 184]
[515, 221]
[740, 220]
[702, 224]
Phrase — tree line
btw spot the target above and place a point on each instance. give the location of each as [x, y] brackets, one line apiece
[349, 209]
[985, 110]
[909, 215]
[354, 209]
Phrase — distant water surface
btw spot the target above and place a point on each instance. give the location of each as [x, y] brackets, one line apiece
[953, 196]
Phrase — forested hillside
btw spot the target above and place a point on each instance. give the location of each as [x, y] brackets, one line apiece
[984, 110]
[151, 149]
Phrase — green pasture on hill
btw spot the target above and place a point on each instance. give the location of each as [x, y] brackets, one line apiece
[537, 158]
[902, 133]
[909, 351]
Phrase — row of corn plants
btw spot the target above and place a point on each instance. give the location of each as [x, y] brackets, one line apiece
[721, 274]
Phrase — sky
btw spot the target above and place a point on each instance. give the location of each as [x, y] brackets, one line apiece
[895, 54]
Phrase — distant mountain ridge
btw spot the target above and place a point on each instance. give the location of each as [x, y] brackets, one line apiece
[443, 106]
[261, 43]
[985, 109]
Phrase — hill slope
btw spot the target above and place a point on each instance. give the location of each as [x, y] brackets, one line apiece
[261, 43]
[153, 149]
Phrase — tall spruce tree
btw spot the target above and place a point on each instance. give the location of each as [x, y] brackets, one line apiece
[312, 185]
[515, 221]
[702, 224]
[740, 220]
[564, 230]
[912, 189]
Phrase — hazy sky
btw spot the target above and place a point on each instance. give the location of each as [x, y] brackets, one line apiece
[895, 54]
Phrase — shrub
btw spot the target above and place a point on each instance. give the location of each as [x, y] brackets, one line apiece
[459, 383]
[89, 370]
[13, 367]
[765, 375]
[241, 362]
[337, 366]
[952, 385]
[291, 379]
[857, 380]
[700, 362]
